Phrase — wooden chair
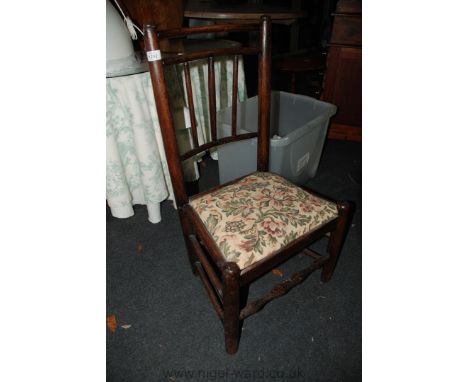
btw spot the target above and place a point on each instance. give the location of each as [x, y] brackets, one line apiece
[237, 232]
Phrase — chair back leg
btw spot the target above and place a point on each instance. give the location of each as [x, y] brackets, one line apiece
[336, 241]
[231, 299]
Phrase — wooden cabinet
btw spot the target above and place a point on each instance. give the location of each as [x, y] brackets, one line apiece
[343, 78]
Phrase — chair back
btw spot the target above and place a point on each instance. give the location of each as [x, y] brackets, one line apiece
[156, 66]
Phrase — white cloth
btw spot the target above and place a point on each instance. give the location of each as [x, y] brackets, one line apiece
[136, 169]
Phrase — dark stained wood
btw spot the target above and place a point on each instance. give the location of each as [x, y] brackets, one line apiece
[206, 265]
[282, 288]
[311, 253]
[217, 142]
[209, 291]
[231, 300]
[298, 65]
[337, 237]
[165, 119]
[218, 28]
[184, 57]
[193, 123]
[213, 189]
[242, 12]
[344, 132]
[235, 81]
[343, 78]
[187, 229]
[343, 87]
[212, 98]
[347, 30]
[349, 6]
[264, 94]
[226, 285]
[165, 14]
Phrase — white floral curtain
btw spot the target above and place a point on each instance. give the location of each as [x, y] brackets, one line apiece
[137, 171]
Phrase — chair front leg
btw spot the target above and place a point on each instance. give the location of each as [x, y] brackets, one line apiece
[188, 230]
[231, 300]
[336, 241]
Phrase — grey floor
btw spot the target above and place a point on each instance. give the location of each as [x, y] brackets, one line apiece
[311, 334]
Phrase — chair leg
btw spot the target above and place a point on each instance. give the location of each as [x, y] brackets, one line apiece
[337, 238]
[231, 299]
[187, 230]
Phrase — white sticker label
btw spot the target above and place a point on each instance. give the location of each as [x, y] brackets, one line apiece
[302, 162]
[153, 55]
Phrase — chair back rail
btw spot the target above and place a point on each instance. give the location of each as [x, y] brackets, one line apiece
[218, 142]
[263, 51]
[184, 57]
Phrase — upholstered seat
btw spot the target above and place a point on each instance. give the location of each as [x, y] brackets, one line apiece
[260, 214]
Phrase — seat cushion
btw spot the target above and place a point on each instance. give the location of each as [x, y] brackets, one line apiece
[260, 214]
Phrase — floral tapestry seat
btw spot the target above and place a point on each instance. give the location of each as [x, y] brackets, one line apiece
[260, 214]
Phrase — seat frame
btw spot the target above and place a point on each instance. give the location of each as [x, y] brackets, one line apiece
[227, 286]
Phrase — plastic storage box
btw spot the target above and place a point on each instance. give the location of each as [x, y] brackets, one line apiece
[298, 128]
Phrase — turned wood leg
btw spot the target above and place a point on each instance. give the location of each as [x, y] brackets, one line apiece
[187, 230]
[337, 238]
[231, 299]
